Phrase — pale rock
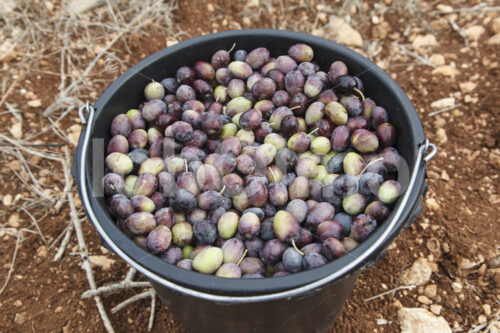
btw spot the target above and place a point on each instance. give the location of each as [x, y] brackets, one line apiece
[445, 70]
[7, 200]
[74, 133]
[456, 286]
[419, 320]
[437, 59]
[436, 308]
[18, 303]
[465, 264]
[424, 299]
[210, 8]
[318, 33]
[49, 5]
[19, 318]
[444, 8]
[443, 103]
[7, 50]
[495, 25]
[375, 19]
[430, 290]
[253, 3]
[422, 42]
[81, 6]
[418, 274]
[475, 32]
[35, 103]
[467, 87]
[441, 135]
[341, 32]
[445, 176]
[481, 319]
[439, 122]
[432, 203]
[487, 309]
[7, 6]
[494, 40]
[58, 309]
[13, 221]
[42, 251]
[101, 261]
[494, 158]
[381, 30]
[16, 130]
[171, 42]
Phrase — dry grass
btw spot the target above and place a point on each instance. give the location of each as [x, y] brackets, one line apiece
[37, 33]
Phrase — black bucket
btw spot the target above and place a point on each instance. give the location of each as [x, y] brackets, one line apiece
[307, 301]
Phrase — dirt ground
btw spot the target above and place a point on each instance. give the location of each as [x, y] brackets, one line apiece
[445, 55]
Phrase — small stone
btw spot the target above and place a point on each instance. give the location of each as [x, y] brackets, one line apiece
[445, 70]
[443, 103]
[318, 33]
[343, 33]
[494, 262]
[13, 220]
[441, 135]
[381, 30]
[253, 3]
[210, 8]
[432, 203]
[430, 290]
[35, 103]
[417, 320]
[418, 274]
[487, 309]
[444, 175]
[437, 59]
[101, 261]
[74, 133]
[81, 6]
[18, 303]
[475, 32]
[58, 309]
[171, 42]
[42, 251]
[495, 25]
[7, 51]
[481, 319]
[467, 87]
[19, 318]
[465, 264]
[422, 42]
[440, 122]
[16, 130]
[444, 8]
[494, 40]
[457, 287]
[436, 308]
[424, 299]
[7, 200]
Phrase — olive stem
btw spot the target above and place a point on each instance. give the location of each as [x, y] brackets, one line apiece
[313, 131]
[360, 93]
[366, 166]
[232, 48]
[186, 165]
[296, 249]
[112, 186]
[295, 107]
[223, 188]
[242, 257]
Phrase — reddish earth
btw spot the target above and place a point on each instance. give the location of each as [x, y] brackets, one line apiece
[460, 217]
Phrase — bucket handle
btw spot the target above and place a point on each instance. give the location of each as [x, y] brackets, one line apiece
[86, 114]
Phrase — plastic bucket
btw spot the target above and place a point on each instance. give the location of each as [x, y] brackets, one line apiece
[306, 301]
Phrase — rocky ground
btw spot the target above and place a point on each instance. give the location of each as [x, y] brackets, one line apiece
[441, 275]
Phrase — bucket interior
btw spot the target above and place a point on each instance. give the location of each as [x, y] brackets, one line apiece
[127, 92]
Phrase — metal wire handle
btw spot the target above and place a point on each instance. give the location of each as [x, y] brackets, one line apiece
[362, 260]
